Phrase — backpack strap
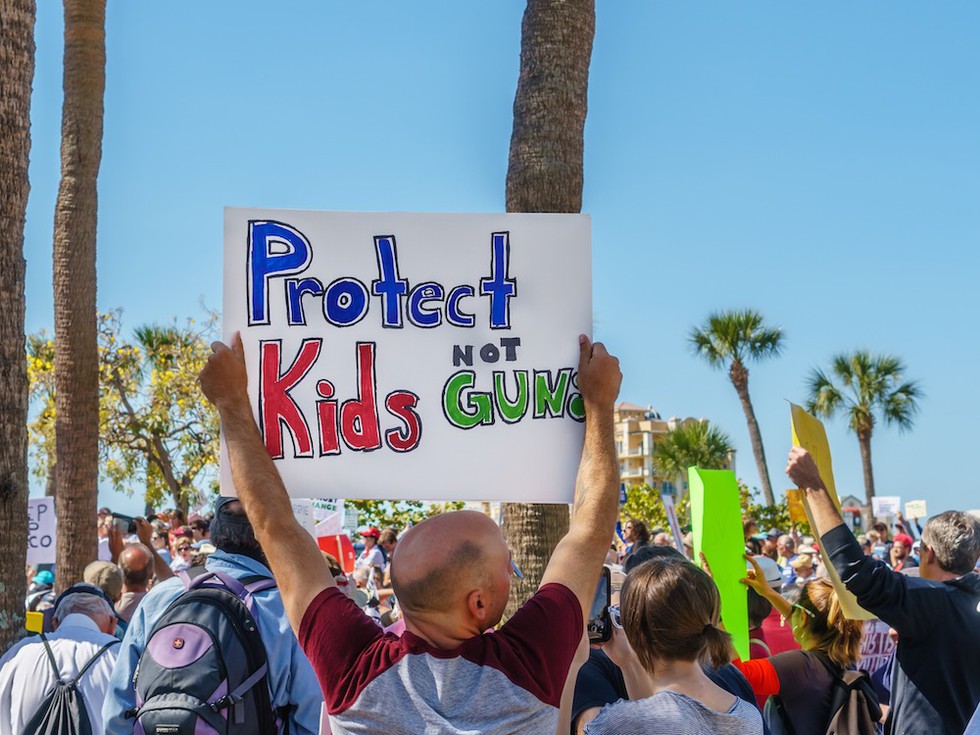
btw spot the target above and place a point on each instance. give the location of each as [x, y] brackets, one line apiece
[761, 643]
[54, 664]
[92, 660]
[235, 697]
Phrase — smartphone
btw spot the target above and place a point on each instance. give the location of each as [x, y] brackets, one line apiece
[599, 625]
[126, 524]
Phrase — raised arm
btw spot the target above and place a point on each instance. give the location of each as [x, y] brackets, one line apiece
[293, 555]
[579, 555]
[144, 531]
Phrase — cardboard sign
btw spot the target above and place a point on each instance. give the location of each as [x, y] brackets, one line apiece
[41, 526]
[916, 509]
[675, 527]
[794, 501]
[402, 356]
[886, 506]
[808, 432]
[716, 515]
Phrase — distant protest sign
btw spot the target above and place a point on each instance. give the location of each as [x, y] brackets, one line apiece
[886, 506]
[40, 531]
[916, 509]
[407, 356]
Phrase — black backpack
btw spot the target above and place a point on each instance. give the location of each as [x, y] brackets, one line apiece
[854, 708]
[204, 668]
[63, 711]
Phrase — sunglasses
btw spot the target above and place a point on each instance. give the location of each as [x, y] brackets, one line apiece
[808, 613]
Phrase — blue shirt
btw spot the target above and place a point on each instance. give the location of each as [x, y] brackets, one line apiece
[291, 678]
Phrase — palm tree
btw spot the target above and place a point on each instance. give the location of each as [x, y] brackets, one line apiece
[733, 338]
[868, 387]
[17, 63]
[544, 174]
[692, 444]
[75, 319]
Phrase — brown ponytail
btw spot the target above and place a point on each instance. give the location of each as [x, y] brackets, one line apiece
[670, 611]
[829, 630]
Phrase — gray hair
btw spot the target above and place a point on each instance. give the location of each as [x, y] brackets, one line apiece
[82, 603]
[955, 539]
[787, 541]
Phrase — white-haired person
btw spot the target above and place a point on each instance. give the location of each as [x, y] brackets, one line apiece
[82, 643]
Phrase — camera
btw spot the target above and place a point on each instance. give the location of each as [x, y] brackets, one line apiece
[126, 524]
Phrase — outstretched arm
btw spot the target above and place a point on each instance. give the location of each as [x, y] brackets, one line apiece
[293, 555]
[803, 471]
[579, 555]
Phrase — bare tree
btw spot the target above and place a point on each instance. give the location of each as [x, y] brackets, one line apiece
[16, 78]
[545, 174]
[75, 327]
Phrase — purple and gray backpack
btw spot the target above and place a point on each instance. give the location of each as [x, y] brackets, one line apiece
[204, 669]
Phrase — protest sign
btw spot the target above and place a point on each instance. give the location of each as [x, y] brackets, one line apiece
[794, 501]
[886, 506]
[808, 433]
[303, 510]
[675, 527]
[916, 509]
[40, 531]
[716, 516]
[403, 356]
[328, 514]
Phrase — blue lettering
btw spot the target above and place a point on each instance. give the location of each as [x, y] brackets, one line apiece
[296, 289]
[345, 302]
[498, 286]
[274, 250]
[389, 286]
[420, 296]
[453, 315]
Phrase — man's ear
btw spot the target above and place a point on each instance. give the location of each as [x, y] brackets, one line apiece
[476, 604]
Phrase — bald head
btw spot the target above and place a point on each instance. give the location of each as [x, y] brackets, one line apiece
[438, 562]
[136, 563]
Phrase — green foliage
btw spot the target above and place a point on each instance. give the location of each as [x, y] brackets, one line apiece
[864, 386]
[643, 503]
[692, 444]
[736, 335]
[157, 432]
[398, 514]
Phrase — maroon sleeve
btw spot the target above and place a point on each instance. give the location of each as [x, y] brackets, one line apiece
[347, 649]
[535, 648]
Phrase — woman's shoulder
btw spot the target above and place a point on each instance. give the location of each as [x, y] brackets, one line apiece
[674, 712]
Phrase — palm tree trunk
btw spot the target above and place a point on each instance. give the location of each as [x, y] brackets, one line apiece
[544, 174]
[17, 65]
[77, 356]
[864, 442]
[740, 379]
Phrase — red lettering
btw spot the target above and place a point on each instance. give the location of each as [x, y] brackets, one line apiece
[400, 404]
[277, 408]
[359, 424]
[326, 416]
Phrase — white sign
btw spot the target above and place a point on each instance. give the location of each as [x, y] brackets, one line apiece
[399, 356]
[351, 518]
[884, 506]
[303, 510]
[41, 527]
[916, 509]
[329, 516]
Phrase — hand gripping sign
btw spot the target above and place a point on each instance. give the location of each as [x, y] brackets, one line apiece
[405, 356]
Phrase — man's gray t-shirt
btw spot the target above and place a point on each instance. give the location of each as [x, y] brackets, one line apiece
[673, 713]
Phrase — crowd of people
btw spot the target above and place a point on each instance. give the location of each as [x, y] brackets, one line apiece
[236, 621]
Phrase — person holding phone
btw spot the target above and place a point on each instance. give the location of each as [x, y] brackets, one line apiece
[670, 614]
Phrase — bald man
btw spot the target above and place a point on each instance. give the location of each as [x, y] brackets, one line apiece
[451, 575]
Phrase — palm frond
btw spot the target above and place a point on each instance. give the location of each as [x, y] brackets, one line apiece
[823, 397]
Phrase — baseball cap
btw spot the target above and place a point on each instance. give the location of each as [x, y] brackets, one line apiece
[770, 569]
[106, 576]
[802, 560]
[371, 531]
[44, 577]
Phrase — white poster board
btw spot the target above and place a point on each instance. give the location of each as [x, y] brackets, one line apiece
[885, 506]
[916, 509]
[328, 513]
[405, 356]
[41, 534]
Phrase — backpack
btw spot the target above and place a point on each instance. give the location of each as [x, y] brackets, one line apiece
[854, 706]
[204, 670]
[63, 711]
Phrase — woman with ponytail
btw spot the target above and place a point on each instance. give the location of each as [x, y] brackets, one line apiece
[670, 631]
[800, 684]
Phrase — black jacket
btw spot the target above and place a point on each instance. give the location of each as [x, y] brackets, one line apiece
[936, 684]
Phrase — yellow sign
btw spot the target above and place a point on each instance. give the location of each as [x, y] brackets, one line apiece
[34, 622]
[808, 432]
[794, 499]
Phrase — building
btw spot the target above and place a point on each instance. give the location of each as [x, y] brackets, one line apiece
[637, 431]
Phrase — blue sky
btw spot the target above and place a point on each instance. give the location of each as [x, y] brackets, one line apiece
[819, 163]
